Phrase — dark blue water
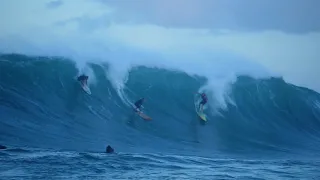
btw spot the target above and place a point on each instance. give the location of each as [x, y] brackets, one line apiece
[53, 130]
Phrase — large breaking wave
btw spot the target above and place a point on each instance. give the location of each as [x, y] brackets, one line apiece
[42, 105]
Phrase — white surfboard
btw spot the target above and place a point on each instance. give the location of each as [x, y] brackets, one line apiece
[86, 88]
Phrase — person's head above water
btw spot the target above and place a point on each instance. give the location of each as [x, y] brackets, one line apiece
[109, 149]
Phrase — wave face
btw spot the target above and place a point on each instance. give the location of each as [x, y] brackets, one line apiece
[42, 105]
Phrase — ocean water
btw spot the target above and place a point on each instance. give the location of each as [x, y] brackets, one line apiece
[258, 128]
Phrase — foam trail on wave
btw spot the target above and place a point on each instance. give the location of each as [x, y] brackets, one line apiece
[220, 71]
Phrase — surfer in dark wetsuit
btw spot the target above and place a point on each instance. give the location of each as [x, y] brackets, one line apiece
[204, 101]
[138, 104]
[83, 79]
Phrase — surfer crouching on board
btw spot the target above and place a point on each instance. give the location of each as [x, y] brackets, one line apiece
[204, 101]
[83, 79]
[138, 104]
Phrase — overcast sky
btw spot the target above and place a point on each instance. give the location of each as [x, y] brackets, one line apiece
[292, 16]
[282, 35]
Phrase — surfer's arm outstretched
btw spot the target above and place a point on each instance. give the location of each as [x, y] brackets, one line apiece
[198, 93]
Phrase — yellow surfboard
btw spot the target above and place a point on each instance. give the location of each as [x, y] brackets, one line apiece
[202, 116]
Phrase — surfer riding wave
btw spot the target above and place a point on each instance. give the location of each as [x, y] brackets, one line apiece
[83, 79]
[138, 104]
[203, 102]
